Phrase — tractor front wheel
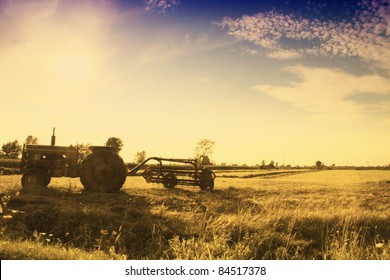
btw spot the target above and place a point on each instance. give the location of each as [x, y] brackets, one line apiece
[47, 180]
[34, 179]
[103, 171]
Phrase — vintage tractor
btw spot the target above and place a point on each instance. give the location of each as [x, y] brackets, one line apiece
[103, 170]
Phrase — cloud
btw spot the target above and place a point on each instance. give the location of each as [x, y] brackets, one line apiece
[160, 6]
[331, 94]
[367, 36]
[284, 54]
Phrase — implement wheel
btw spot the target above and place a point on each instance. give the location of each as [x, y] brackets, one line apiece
[169, 180]
[206, 180]
[148, 174]
[103, 171]
[34, 179]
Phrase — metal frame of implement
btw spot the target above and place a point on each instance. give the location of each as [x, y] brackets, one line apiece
[185, 172]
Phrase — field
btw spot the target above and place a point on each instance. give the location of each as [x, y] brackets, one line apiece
[301, 214]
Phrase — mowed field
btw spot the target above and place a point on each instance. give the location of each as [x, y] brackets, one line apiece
[303, 214]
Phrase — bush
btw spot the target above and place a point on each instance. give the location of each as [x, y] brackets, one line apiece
[10, 163]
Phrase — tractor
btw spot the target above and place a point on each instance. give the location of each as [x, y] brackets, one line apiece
[103, 170]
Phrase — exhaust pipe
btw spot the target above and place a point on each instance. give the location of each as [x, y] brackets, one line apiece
[53, 137]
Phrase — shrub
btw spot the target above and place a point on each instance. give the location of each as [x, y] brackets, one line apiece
[10, 163]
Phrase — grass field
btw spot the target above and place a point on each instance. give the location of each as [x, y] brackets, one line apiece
[330, 214]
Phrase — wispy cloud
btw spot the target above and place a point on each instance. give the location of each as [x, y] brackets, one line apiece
[284, 54]
[366, 36]
[160, 6]
[331, 94]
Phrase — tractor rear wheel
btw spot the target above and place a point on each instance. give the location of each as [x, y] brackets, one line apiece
[103, 171]
[34, 179]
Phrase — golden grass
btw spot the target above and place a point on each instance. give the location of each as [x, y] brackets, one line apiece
[333, 214]
[27, 250]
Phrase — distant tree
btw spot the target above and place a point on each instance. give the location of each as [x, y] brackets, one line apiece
[140, 157]
[205, 160]
[203, 151]
[11, 150]
[83, 150]
[271, 165]
[31, 140]
[116, 143]
[319, 164]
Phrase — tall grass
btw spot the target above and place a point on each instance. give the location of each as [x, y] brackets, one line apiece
[352, 242]
[27, 250]
[321, 215]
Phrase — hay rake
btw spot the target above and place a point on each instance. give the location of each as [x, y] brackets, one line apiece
[187, 172]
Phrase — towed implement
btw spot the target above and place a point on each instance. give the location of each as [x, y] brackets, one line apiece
[180, 172]
[103, 170]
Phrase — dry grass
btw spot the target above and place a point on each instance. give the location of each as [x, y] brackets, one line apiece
[309, 215]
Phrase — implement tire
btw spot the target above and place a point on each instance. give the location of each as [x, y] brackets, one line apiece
[103, 171]
[169, 180]
[206, 180]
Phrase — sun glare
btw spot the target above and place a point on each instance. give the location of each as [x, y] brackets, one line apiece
[73, 68]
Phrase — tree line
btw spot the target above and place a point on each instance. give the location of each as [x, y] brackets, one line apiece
[203, 151]
[12, 149]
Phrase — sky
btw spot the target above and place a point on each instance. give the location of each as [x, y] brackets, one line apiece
[293, 81]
